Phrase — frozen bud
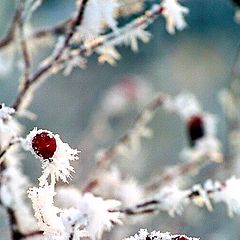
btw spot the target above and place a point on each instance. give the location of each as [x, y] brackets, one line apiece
[54, 154]
[195, 129]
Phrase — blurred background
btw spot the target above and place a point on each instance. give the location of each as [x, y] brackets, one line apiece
[198, 59]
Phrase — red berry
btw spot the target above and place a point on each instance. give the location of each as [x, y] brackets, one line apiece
[44, 144]
[236, 2]
[195, 128]
[180, 238]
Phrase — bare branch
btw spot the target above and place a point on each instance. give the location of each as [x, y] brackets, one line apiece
[23, 44]
[172, 174]
[6, 149]
[104, 160]
[142, 119]
[10, 33]
[37, 76]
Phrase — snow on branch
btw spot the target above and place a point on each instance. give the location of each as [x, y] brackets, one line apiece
[66, 213]
[173, 200]
[91, 215]
[143, 234]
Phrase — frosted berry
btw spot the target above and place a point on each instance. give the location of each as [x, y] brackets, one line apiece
[180, 238]
[44, 144]
[195, 128]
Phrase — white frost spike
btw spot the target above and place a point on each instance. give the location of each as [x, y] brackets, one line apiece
[58, 166]
[131, 37]
[5, 115]
[45, 211]
[203, 198]
[173, 200]
[5, 112]
[98, 14]
[227, 192]
[97, 212]
[185, 104]
[174, 14]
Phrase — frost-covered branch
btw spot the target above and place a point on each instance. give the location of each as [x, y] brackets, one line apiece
[23, 42]
[104, 43]
[124, 144]
[124, 8]
[89, 217]
[4, 41]
[201, 132]
[143, 234]
[176, 172]
[139, 129]
[37, 76]
[173, 200]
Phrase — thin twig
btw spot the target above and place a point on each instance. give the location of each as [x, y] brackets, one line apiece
[7, 148]
[44, 70]
[111, 152]
[32, 234]
[233, 123]
[16, 234]
[155, 204]
[108, 154]
[172, 174]
[11, 31]
[83, 50]
[58, 29]
[23, 44]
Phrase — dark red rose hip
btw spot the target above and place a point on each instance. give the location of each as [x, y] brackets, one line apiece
[180, 238]
[195, 129]
[44, 145]
[236, 2]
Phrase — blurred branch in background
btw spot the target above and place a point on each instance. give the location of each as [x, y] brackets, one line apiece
[111, 194]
